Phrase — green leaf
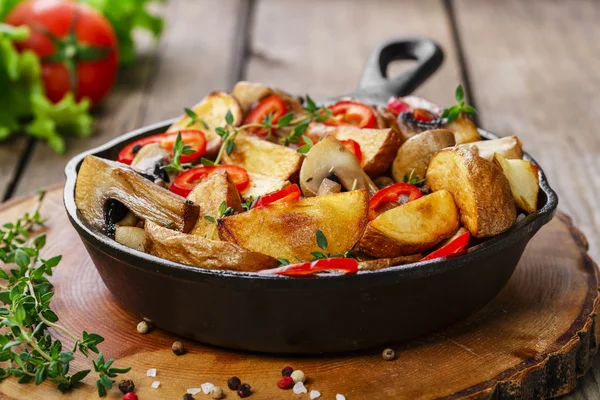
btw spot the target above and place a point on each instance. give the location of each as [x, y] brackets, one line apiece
[20, 313]
[310, 104]
[101, 388]
[469, 110]
[190, 113]
[283, 261]
[79, 376]
[95, 338]
[230, 147]
[204, 124]
[318, 255]
[39, 242]
[229, 118]
[40, 375]
[459, 94]
[321, 240]
[221, 131]
[10, 344]
[50, 315]
[119, 370]
[222, 208]
[22, 258]
[66, 357]
[206, 162]
[107, 382]
[53, 262]
[210, 219]
[24, 379]
[304, 149]
[285, 120]
[3, 274]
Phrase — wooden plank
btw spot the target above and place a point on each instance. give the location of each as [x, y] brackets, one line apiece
[534, 68]
[191, 60]
[10, 153]
[319, 47]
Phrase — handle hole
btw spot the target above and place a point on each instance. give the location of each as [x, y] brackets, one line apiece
[398, 67]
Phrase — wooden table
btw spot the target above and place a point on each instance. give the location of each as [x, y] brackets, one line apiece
[531, 68]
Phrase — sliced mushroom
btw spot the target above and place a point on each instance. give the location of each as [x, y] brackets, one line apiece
[131, 236]
[106, 189]
[330, 158]
[329, 186]
[410, 126]
[149, 160]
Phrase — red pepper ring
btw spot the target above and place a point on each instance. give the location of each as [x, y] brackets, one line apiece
[391, 194]
[354, 147]
[288, 194]
[192, 137]
[352, 113]
[270, 105]
[397, 105]
[455, 247]
[346, 265]
[187, 181]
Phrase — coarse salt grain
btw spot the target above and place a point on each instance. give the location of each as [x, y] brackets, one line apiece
[155, 384]
[340, 397]
[299, 388]
[207, 387]
[193, 391]
[314, 394]
[151, 372]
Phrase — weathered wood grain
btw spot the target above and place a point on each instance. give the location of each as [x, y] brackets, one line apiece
[532, 341]
[319, 47]
[191, 60]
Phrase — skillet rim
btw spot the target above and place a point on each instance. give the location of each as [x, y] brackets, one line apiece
[521, 230]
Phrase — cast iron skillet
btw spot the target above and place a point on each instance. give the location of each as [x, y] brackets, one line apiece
[326, 314]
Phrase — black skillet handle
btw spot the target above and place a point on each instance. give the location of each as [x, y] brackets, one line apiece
[374, 80]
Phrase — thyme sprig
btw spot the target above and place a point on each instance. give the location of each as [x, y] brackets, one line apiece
[179, 149]
[26, 345]
[194, 118]
[413, 179]
[452, 113]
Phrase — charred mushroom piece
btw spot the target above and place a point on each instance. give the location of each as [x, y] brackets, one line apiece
[330, 157]
[106, 189]
[417, 121]
[149, 161]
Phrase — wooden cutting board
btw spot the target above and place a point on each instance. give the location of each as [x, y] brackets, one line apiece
[532, 341]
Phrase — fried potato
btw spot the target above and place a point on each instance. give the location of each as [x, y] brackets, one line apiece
[411, 228]
[198, 251]
[288, 230]
[523, 180]
[380, 263]
[508, 147]
[464, 130]
[250, 93]
[417, 151]
[211, 111]
[130, 236]
[260, 156]
[209, 195]
[481, 191]
[261, 185]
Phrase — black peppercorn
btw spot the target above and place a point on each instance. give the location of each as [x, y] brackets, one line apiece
[287, 371]
[244, 390]
[234, 383]
[188, 396]
[126, 386]
[136, 148]
[178, 348]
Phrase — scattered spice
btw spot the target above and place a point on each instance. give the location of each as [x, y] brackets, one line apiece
[207, 387]
[244, 390]
[287, 371]
[130, 396]
[298, 376]
[234, 383]
[155, 384]
[388, 354]
[126, 386]
[285, 383]
[178, 348]
[151, 372]
[188, 396]
[216, 392]
[193, 391]
[299, 388]
[314, 394]
[143, 327]
[340, 397]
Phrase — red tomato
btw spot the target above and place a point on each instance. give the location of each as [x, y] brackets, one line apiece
[84, 39]
[453, 248]
[391, 193]
[397, 105]
[346, 265]
[354, 147]
[288, 194]
[192, 137]
[270, 105]
[352, 113]
[187, 181]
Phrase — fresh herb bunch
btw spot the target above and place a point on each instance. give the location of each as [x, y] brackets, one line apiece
[413, 179]
[27, 345]
[178, 150]
[452, 113]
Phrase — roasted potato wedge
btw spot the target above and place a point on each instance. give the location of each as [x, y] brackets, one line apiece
[411, 228]
[417, 151]
[523, 180]
[508, 147]
[262, 157]
[261, 185]
[100, 182]
[211, 111]
[380, 263]
[464, 130]
[130, 236]
[209, 195]
[481, 191]
[198, 251]
[288, 230]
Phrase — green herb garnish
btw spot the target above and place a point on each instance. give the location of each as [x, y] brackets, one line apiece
[178, 150]
[452, 113]
[413, 179]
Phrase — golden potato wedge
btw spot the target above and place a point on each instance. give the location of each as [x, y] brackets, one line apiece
[464, 130]
[250, 93]
[480, 190]
[261, 185]
[262, 157]
[411, 228]
[101, 181]
[198, 251]
[508, 147]
[288, 230]
[211, 110]
[417, 151]
[523, 180]
[380, 263]
[130, 236]
[209, 195]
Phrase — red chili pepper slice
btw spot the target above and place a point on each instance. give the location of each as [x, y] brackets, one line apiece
[352, 113]
[270, 105]
[420, 114]
[192, 137]
[452, 248]
[187, 181]
[346, 265]
[397, 106]
[391, 194]
[288, 194]
[354, 147]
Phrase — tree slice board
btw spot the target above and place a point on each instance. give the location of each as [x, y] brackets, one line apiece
[532, 341]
